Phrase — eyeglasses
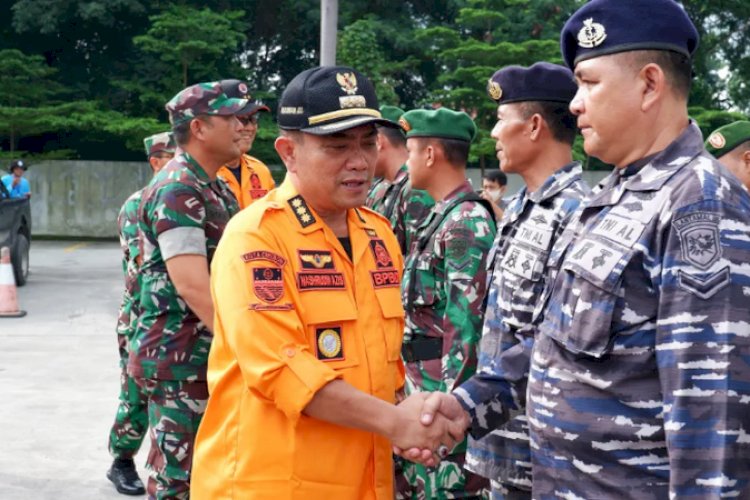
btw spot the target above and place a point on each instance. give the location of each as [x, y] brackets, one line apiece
[248, 119]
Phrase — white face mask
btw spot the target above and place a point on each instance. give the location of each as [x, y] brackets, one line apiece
[494, 194]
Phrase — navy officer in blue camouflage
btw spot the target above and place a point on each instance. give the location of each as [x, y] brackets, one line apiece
[639, 383]
[534, 137]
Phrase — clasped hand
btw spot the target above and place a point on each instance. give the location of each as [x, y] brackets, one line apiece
[429, 423]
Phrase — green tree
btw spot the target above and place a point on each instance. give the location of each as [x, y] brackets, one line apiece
[191, 40]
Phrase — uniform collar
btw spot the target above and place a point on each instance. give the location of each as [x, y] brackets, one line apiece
[560, 180]
[403, 171]
[194, 167]
[655, 172]
[306, 219]
[461, 191]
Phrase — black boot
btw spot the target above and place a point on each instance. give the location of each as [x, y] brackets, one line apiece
[125, 478]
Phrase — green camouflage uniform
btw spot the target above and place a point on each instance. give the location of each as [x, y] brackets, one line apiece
[376, 194]
[131, 421]
[182, 212]
[443, 291]
[410, 208]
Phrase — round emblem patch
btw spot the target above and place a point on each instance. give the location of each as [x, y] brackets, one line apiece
[404, 124]
[329, 343]
[242, 88]
[494, 90]
[717, 140]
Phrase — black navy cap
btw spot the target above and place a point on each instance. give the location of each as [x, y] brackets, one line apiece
[329, 99]
[239, 90]
[17, 164]
[541, 81]
[603, 27]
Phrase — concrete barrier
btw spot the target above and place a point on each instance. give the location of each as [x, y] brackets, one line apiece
[81, 199]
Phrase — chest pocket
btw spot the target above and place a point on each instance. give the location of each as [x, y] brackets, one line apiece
[393, 322]
[329, 329]
[420, 289]
[589, 294]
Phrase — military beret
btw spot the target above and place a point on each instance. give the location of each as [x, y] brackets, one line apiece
[159, 143]
[603, 27]
[18, 164]
[726, 138]
[542, 81]
[442, 122]
[392, 113]
[329, 99]
[202, 99]
[239, 90]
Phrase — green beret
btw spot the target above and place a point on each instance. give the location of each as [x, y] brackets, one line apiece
[725, 139]
[392, 113]
[442, 122]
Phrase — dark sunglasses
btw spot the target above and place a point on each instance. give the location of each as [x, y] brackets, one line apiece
[248, 119]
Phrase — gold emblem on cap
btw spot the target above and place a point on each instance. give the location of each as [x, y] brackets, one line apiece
[591, 35]
[404, 124]
[717, 140]
[329, 343]
[494, 89]
[348, 82]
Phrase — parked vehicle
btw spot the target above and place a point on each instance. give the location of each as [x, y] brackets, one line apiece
[15, 232]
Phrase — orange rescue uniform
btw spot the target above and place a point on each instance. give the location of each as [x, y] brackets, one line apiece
[294, 312]
[256, 180]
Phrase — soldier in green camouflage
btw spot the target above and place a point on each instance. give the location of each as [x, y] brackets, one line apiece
[131, 420]
[181, 217]
[393, 196]
[444, 285]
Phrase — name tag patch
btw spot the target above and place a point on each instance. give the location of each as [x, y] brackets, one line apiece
[329, 343]
[618, 229]
[534, 236]
[320, 281]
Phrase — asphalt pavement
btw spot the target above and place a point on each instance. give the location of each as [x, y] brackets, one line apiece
[59, 375]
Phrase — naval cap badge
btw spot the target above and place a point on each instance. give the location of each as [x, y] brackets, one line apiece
[591, 35]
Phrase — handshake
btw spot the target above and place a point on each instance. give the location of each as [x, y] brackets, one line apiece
[428, 426]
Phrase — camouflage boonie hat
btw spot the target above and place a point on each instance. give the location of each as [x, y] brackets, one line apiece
[725, 139]
[159, 143]
[206, 98]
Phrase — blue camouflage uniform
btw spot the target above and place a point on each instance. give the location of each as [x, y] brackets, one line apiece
[518, 267]
[640, 375]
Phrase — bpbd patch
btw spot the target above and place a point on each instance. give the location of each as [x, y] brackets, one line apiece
[380, 254]
[268, 284]
[329, 344]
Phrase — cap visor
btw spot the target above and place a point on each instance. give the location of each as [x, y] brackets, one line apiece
[253, 108]
[340, 126]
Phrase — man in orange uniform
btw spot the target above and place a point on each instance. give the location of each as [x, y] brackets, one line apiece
[247, 177]
[305, 363]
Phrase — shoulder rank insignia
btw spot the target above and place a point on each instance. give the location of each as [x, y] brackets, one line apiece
[299, 207]
[591, 35]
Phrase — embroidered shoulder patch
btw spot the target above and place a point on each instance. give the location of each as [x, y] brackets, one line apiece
[699, 238]
[264, 255]
[268, 284]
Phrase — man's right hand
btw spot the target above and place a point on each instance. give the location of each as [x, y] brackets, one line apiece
[438, 413]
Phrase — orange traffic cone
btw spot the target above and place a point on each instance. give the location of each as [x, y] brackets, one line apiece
[8, 298]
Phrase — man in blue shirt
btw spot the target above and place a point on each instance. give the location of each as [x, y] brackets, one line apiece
[17, 186]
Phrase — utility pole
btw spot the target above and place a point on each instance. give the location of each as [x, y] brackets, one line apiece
[329, 20]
